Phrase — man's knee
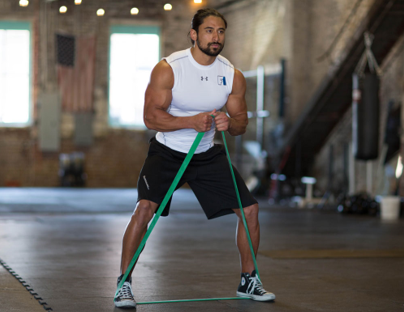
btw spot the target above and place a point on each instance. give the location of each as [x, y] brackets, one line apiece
[144, 211]
[251, 213]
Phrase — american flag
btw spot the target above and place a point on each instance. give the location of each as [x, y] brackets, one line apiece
[76, 72]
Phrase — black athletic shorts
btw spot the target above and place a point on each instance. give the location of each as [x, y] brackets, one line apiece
[208, 174]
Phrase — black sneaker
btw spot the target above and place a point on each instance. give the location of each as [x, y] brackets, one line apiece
[251, 287]
[124, 297]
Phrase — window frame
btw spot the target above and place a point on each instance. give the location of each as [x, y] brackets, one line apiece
[153, 29]
[22, 25]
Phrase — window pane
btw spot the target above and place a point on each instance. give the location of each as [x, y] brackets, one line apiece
[148, 52]
[133, 56]
[14, 76]
[16, 99]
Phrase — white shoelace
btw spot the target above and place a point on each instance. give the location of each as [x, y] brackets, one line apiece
[125, 292]
[255, 283]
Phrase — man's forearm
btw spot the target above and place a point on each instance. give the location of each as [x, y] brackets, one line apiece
[237, 126]
[162, 121]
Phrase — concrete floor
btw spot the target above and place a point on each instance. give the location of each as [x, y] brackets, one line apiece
[66, 244]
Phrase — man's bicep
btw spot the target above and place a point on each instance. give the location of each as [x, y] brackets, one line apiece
[157, 98]
[236, 104]
[158, 92]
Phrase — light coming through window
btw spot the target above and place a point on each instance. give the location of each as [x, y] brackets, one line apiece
[14, 74]
[132, 57]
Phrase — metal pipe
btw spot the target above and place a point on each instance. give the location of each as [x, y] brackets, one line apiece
[352, 186]
[369, 178]
[282, 90]
[260, 104]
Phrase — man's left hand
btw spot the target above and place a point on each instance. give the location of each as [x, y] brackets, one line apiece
[222, 121]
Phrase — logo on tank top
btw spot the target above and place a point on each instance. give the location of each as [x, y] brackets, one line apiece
[221, 80]
[204, 78]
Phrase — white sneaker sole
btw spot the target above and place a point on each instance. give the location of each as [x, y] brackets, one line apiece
[125, 304]
[267, 297]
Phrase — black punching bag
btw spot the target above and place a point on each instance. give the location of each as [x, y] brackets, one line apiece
[365, 116]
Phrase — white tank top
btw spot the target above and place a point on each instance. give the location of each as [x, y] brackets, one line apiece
[197, 89]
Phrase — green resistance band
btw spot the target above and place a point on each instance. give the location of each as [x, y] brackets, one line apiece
[192, 300]
[241, 207]
[161, 208]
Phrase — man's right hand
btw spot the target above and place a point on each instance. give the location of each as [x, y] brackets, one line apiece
[203, 121]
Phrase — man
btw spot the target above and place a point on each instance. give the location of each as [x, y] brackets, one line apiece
[186, 89]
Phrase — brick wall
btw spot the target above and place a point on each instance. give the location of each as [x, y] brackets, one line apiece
[259, 33]
[311, 35]
[299, 31]
[116, 156]
[315, 26]
[256, 33]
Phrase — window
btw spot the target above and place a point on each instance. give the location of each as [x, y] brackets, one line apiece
[15, 84]
[134, 51]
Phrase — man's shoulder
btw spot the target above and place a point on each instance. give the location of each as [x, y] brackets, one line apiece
[225, 61]
[177, 56]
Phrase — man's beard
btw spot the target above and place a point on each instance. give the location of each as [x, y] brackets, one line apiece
[208, 51]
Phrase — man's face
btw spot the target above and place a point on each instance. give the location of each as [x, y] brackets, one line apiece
[210, 38]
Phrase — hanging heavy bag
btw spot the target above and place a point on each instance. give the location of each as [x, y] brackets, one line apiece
[365, 116]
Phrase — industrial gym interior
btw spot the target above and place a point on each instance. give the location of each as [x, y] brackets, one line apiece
[322, 155]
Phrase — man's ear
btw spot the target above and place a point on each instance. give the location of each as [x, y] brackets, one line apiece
[193, 34]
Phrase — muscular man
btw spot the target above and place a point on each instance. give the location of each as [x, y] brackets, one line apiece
[185, 90]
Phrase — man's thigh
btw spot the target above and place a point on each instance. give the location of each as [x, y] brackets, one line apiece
[215, 190]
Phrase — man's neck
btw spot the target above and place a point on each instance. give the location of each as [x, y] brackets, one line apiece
[200, 57]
